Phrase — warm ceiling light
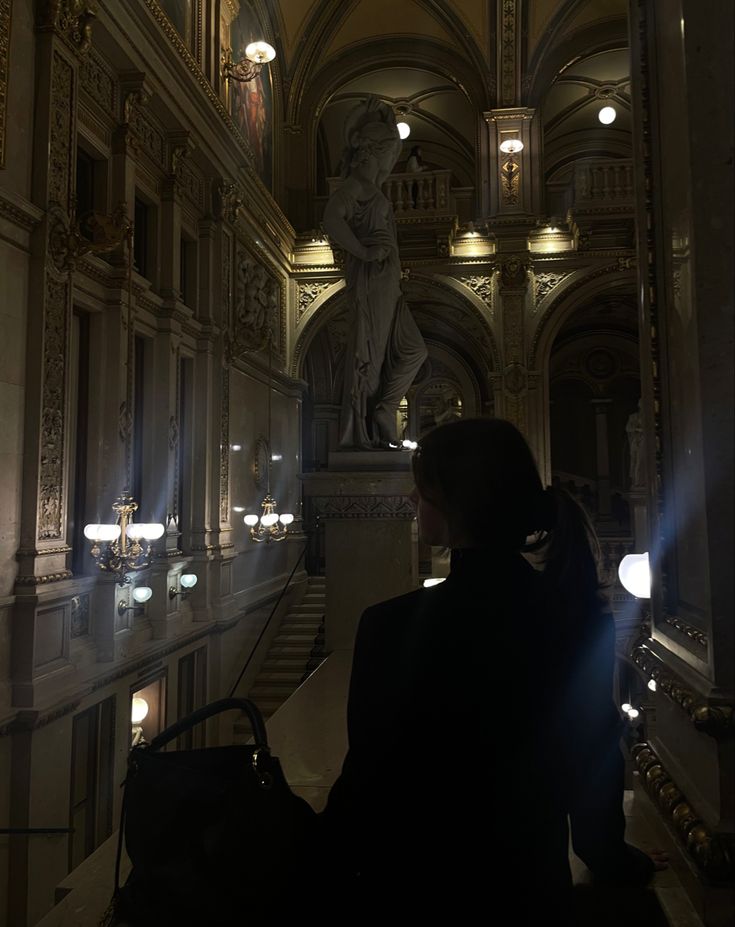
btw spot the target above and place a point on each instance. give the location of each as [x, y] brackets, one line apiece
[260, 52]
[607, 115]
[404, 129]
[511, 146]
[635, 575]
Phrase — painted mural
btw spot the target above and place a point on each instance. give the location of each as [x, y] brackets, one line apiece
[180, 12]
[251, 104]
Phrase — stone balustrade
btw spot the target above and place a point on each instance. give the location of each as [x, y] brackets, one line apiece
[425, 194]
[603, 180]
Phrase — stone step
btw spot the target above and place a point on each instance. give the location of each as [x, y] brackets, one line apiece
[294, 637]
[270, 690]
[300, 626]
[283, 663]
[306, 610]
[281, 676]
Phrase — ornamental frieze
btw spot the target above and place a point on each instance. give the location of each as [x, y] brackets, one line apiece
[363, 507]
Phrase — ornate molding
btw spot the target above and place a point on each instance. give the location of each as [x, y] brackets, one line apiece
[715, 720]
[307, 293]
[508, 30]
[62, 131]
[224, 449]
[513, 272]
[544, 283]
[98, 82]
[712, 853]
[363, 507]
[693, 633]
[510, 177]
[28, 580]
[482, 287]
[72, 19]
[53, 407]
[5, 9]
[257, 305]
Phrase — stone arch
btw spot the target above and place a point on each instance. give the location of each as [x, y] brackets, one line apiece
[575, 290]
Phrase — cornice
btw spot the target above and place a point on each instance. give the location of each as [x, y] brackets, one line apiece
[19, 210]
[712, 853]
[715, 720]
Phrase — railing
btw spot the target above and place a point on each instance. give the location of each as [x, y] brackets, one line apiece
[603, 181]
[427, 193]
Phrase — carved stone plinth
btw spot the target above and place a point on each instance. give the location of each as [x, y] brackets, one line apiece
[370, 539]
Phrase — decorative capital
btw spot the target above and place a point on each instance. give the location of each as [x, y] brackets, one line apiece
[72, 19]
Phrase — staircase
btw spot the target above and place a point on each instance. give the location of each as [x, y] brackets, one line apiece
[294, 654]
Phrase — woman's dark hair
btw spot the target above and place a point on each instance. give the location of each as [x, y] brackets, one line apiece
[480, 473]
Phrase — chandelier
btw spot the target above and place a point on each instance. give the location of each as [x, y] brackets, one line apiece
[270, 526]
[124, 546]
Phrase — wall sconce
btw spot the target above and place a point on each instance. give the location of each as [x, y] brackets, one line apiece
[511, 146]
[272, 527]
[188, 581]
[634, 573]
[141, 594]
[138, 713]
[256, 55]
[123, 551]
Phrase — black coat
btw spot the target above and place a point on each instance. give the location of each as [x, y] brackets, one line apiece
[480, 718]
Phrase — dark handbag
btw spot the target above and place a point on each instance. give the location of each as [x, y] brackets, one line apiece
[214, 835]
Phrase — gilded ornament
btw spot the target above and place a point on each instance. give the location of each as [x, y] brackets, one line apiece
[224, 449]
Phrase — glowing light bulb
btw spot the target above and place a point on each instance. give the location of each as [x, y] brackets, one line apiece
[188, 580]
[251, 520]
[260, 52]
[511, 146]
[635, 575]
[269, 519]
[626, 706]
[139, 709]
[404, 129]
[102, 532]
[652, 685]
[141, 594]
[607, 115]
[433, 581]
[633, 714]
[286, 518]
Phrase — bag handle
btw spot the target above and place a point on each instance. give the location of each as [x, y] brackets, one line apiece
[214, 708]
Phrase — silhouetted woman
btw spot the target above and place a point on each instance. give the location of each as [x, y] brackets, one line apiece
[480, 712]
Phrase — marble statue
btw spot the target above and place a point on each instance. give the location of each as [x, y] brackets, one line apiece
[634, 431]
[385, 348]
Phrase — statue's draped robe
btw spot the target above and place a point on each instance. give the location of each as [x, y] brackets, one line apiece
[384, 348]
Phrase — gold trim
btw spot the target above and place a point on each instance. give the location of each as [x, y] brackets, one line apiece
[5, 10]
[715, 720]
[692, 632]
[712, 853]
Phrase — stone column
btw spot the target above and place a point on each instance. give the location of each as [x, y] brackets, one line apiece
[371, 551]
[512, 295]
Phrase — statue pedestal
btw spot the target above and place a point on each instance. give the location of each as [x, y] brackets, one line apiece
[371, 553]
